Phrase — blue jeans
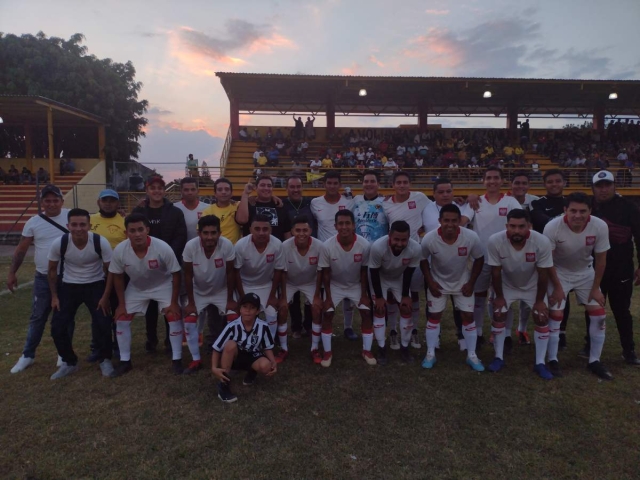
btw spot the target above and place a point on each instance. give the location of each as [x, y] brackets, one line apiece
[39, 314]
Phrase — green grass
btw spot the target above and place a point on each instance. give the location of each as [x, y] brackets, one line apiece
[348, 421]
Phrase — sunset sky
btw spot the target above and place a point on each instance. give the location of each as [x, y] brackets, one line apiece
[177, 46]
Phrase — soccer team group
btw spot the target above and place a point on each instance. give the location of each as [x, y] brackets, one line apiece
[371, 253]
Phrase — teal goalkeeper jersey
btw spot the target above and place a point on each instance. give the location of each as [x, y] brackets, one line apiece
[371, 222]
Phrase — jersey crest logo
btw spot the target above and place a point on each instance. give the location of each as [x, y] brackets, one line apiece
[341, 207]
[357, 257]
[199, 215]
[590, 240]
[313, 260]
[154, 264]
[270, 257]
[462, 251]
[219, 263]
[502, 211]
[531, 257]
[406, 261]
[411, 205]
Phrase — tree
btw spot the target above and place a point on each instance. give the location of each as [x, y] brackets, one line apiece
[61, 70]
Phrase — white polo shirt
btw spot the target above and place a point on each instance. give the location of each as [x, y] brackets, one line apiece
[301, 270]
[410, 211]
[490, 219]
[82, 266]
[392, 267]
[449, 264]
[43, 234]
[191, 217]
[257, 269]
[519, 267]
[345, 266]
[209, 274]
[325, 214]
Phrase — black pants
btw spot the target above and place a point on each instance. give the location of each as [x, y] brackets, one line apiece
[215, 325]
[618, 289]
[71, 297]
[151, 319]
[297, 323]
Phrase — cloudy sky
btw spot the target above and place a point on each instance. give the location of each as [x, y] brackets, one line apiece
[177, 46]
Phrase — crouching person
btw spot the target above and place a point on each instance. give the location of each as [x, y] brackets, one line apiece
[245, 344]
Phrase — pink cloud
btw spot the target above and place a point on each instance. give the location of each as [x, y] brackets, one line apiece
[353, 69]
[436, 12]
[373, 59]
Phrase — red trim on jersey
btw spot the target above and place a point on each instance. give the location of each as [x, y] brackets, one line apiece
[190, 209]
[355, 237]
[487, 198]
[457, 234]
[585, 225]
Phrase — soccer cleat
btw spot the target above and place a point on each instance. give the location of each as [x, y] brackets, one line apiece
[382, 356]
[405, 355]
[315, 356]
[326, 359]
[523, 338]
[122, 369]
[597, 368]
[554, 368]
[543, 372]
[349, 334]
[462, 343]
[176, 367]
[193, 367]
[394, 343]
[22, 363]
[584, 353]
[64, 370]
[429, 361]
[475, 363]
[508, 345]
[631, 358]
[368, 357]
[562, 345]
[200, 339]
[106, 367]
[282, 356]
[93, 357]
[224, 393]
[496, 365]
[250, 378]
[415, 343]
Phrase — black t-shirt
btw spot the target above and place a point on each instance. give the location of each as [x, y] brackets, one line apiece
[280, 223]
[154, 215]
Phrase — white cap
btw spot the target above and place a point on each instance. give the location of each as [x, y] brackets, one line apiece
[603, 176]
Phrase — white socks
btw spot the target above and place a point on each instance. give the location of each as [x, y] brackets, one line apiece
[326, 339]
[554, 335]
[367, 339]
[271, 316]
[470, 334]
[316, 328]
[192, 330]
[432, 334]
[596, 333]
[175, 337]
[406, 327]
[541, 338]
[379, 330]
[282, 335]
[499, 332]
[123, 334]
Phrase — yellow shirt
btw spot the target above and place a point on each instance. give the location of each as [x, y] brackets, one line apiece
[227, 215]
[262, 160]
[384, 160]
[327, 163]
[110, 228]
[507, 150]
[519, 151]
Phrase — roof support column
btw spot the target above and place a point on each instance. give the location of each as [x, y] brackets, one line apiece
[512, 122]
[234, 118]
[598, 118]
[102, 140]
[51, 146]
[28, 149]
[423, 111]
[331, 118]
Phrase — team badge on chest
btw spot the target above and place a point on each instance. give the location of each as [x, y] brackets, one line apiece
[412, 205]
[313, 260]
[270, 257]
[219, 262]
[590, 240]
[153, 264]
[462, 251]
[357, 257]
[341, 207]
[531, 257]
[502, 211]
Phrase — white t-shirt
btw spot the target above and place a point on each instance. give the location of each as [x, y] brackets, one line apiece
[191, 217]
[410, 211]
[150, 273]
[490, 219]
[572, 251]
[345, 266]
[81, 266]
[431, 217]
[528, 198]
[43, 235]
[449, 264]
[325, 214]
[392, 267]
[301, 270]
[519, 267]
[257, 269]
[209, 274]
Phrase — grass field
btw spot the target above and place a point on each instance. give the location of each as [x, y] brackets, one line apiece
[348, 421]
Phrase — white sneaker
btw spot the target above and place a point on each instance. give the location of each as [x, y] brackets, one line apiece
[64, 370]
[106, 367]
[394, 343]
[415, 343]
[23, 362]
[462, 343]
[60, 363]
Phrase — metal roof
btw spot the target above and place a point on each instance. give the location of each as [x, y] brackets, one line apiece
[32, 109]
[446, 96]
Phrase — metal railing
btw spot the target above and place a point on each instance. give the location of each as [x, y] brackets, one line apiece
[225, 151]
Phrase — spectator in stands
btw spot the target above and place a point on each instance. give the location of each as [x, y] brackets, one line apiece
[309, 131]
[314, 170]
[280, 145]
[256, 155]
[42, 175]
[25, 176]
[13, 175]
[192, 165]
[262, 160]
[255, 136]
[70, 166]
[3, 175]
[389, 169]
[622, 156]
[419, 162]
[327, 163]
[524, 133]
[243, 134]
[535, 170]
[298, 129]
[297, 170]
[304, 147]
[273, 157]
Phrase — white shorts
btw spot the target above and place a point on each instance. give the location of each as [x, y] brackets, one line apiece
[137, 301]
[308, 290]
[219, 300]
[438, 304]
[395, 288]
[484, 279]
[580, 284]
[353, 294]
[527, 298]
[417, 281]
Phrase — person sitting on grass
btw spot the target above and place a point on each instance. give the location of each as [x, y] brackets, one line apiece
[245, 344]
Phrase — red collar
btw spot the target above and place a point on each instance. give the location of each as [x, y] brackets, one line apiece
[190, 209]
[355, 237]
[564, 218]
[487, 198]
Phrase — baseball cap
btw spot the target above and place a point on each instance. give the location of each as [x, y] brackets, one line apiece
[250, 298]
[50, 189]
[109, 193]
[155, 179]
[603, 176]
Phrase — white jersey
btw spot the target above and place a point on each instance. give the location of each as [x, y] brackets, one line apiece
[431, 217]
[410, 211]
[209, 274]
[490, 219]
[325, 214]
[371, 221]
[301, 270]
[392, 267]
[572, 251]
[345, 266]
[82, 266]
[149, 273]
[256, 268]
[519, 267]
[43, 234]
[449, 264]
[191, 217]
[528, 198]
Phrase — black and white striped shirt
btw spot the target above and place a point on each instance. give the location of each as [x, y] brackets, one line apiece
[254, 341]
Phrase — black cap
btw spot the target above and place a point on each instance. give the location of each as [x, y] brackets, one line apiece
[252, 299]
[50, 189]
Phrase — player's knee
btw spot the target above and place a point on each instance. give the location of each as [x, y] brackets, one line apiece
[262, 366]
[405, 311]
[230, 346]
